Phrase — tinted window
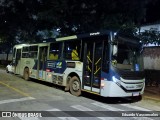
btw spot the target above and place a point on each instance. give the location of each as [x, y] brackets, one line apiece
[105, 61]
[33, 51]
[25, 52]
[55, 51]
[72, 50]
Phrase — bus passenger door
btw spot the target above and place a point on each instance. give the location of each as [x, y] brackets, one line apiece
[92, 66]
[17, 61]
[42, 62]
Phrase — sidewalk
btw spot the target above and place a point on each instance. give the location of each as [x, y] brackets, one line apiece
[152, 93]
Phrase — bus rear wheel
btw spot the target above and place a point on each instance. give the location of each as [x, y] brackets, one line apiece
[75, 86]
[26, 74]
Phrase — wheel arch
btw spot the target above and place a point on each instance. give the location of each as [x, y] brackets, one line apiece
[26, 67]
[24, 70]
[72, 74]
[68, 78]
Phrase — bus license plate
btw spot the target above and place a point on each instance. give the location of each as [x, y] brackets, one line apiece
[135, 94]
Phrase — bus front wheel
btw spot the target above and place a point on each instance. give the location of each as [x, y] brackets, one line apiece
[26, 74]
[75, 86]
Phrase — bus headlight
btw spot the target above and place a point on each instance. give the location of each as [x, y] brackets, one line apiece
[116, 80]
[102, 84]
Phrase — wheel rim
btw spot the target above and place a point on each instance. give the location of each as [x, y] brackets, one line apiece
[75, 85]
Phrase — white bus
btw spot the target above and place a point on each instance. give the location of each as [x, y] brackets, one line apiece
[95, 62]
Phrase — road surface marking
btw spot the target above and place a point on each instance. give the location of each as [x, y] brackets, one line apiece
[28, 118]
[63, 118]
[135, 107]
[16, 100]
[116, 109]
[106, 106]
[82, 108]
[67, 118]
[54, 109]
[15, 89]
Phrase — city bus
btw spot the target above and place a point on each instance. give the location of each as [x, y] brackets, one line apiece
[100, 63]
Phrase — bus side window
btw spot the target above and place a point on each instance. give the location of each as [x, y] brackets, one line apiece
[44, 54]
[18, 54]
[25, 52]
[54, 51]
[74, 54]
[14, 52]
[72, 50]
[33, 51]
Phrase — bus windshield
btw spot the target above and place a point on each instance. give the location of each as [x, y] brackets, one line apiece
[128, 57]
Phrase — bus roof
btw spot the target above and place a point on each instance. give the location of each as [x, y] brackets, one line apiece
[80, 36]
[20, 45]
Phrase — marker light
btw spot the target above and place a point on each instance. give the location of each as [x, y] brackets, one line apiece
[49, 75]
[48, 70]
[102, 84]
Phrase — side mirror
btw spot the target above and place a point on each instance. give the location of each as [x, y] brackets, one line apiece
[115, 50]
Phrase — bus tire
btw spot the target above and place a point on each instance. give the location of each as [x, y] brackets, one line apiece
[75, 86]
[26, 74]
[67, 84]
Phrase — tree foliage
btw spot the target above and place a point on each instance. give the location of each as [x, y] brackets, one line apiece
[82, 16]
[150, 36]
[20, 20]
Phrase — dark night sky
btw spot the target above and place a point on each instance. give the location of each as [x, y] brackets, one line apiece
[153, 12]
[16, 17]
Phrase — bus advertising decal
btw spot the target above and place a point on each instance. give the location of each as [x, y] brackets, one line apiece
[56, 66]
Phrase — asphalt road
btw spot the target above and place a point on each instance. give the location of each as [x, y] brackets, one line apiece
[35, 98]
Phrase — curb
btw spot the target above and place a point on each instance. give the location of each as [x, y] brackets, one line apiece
[151, 98]
[156, 92]
[152, 94]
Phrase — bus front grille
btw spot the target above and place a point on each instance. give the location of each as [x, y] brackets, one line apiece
[131, 75]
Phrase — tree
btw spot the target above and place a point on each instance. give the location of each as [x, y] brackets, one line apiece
[150, 36]
[152, 12]
[23, 18]
[73, 16]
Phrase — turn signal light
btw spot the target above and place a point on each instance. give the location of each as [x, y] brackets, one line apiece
[102, 84]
